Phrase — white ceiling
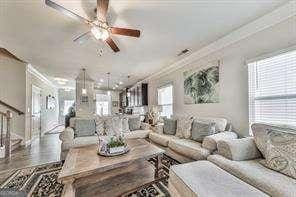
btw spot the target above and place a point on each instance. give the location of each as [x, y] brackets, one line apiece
[42, 36]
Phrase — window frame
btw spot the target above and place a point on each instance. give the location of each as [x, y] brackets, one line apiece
[253, 83]
[157, 93]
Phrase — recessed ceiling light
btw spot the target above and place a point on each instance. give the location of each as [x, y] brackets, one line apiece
[120, 83]
[62, 82]
[101, 80]
[60, 79]
[116, 85]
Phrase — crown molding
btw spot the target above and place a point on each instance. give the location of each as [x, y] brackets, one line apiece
[277, 16]
[40, 76]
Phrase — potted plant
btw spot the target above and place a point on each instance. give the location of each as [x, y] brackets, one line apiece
[116, 145]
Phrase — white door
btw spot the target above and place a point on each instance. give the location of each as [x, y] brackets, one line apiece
[36, 112]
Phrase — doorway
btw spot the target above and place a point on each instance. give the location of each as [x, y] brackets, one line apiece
[36, 112]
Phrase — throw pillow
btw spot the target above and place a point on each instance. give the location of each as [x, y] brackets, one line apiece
[201, 129]
[134, 123]
[113, 126]
[281, 152]
[169, 126]
[85, 127]
[184, 127]
[100, 129]
[125, 125]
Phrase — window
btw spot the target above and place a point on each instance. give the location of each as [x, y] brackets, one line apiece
[165, 100]
[103, 104]
[272, 89]
[67, 105]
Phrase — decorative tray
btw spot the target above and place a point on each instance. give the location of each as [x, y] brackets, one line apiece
[107, 154]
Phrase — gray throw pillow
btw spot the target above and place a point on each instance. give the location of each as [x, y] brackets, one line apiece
[201, 129]
[134, 123]
[170, 126]
[85, 127]
[281, 152]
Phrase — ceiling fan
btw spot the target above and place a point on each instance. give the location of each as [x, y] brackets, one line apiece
[99, 28]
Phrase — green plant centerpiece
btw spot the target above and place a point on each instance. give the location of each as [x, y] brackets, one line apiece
[112, 145]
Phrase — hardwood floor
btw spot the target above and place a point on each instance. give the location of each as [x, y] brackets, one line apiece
[43, 150]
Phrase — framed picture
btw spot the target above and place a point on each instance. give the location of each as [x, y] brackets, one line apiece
[50, 102]
[202, 85]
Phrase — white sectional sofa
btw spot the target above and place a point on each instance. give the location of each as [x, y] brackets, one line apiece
[69, 140]
[186, 150]
[235, 168]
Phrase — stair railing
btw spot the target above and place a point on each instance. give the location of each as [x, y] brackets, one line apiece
[5, 119]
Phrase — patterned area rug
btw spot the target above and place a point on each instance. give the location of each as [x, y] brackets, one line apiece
[42, 181]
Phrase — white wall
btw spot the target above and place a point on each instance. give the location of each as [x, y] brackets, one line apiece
[13, 91]
[49, 117]
[233, 103]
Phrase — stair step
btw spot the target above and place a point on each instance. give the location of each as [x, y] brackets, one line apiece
[15, 143]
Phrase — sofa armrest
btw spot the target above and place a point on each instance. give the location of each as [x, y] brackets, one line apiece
[210, 142]
[67, 135]
[145, 126]
[238, 149]
[159, 128]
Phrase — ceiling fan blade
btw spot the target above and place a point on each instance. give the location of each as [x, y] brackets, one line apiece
[83, 37]
[4, 52]
[102, 8]
[112, 44]
[66, 11]
[125, 32]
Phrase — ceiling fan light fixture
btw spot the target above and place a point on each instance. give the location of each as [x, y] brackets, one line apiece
[100, 33]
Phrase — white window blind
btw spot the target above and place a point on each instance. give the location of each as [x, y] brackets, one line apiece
[165, 100]
[272, 89]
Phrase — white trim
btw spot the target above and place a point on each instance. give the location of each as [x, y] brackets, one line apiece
[268, 55]
[278, 15]
[40, 76]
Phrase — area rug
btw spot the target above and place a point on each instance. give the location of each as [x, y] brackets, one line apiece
[42, 181]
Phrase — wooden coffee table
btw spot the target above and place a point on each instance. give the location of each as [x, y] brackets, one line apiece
[85, 173]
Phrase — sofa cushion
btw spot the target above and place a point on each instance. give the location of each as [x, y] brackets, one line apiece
[281, 152]
[170, 126]
[238, 149]
[189, 148]
[252, 172]
[203, 179]
[137, 134]
[184, 127]
[201, 129]
[84, 141]
[210, 142]
[220, 123]
[85, 127]
[161, 139]
[134, 123]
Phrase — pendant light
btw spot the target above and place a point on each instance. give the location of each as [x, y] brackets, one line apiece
[83, 91]
[108, 92]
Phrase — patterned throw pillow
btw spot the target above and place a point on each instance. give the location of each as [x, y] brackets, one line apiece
[184, 127]
[113, 126]
[125, 126]
[134, 123]
[281, 152]
[100, 129]
[201, 129]
[169, 126]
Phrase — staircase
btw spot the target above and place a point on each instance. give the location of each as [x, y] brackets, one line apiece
[15, 143]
